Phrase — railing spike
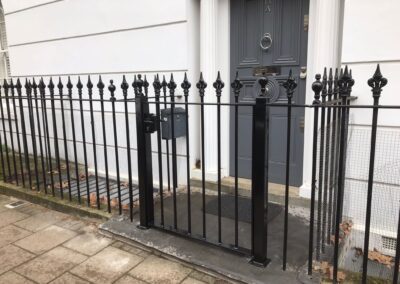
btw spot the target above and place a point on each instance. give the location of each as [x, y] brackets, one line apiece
[236, 85]
[124, 84]
[79, 85]
[317, 88]
[172, 84]
[290, 85]
[89, 83]
[218, 85]
[157, 85]
[186, 85]
[377, 82]
[59, 85]
[69, 83]
[201, 85]
[51, 84]
[100, 84]
[18, 85]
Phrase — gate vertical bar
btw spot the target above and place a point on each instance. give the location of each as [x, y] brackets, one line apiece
[172, 86]
[377, 82]
[321, 189]
[112, 88]
[202, 85]
[219, 85]
[331, 153]
[290, 85]
[164, 88]
[19, 149]
[124, 87]
[144, 159]
[55, 134]
[89, 86]
[28, 91]
[157, 89]
[5, 133]
[79, 85]
[100, 86]
[344, 83]
[397, 257]
[42, 90]
[186, 86]
[258, 178]
[76, 165]
[317, 88]
[42, 162]
[236, 86]
[10, 129]
[65, 138]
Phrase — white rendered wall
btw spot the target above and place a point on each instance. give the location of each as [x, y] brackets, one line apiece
[111, 38]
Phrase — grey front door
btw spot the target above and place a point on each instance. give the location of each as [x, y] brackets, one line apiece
[270, 37]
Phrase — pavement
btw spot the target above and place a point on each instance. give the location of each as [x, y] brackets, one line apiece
[38, 245]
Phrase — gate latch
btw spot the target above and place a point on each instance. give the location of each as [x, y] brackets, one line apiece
[150, 123]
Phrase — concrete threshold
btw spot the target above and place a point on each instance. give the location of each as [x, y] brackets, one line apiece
[276, 192]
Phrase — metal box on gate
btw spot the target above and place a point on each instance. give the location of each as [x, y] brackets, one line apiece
[179, 123]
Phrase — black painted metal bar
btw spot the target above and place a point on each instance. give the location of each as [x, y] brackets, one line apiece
[164, 88]
[201, 85]
[290, 85]
[157, 89]
[42, 91]
[397, 256]
[145, 168]
[55, 135]
[331, 155]
[60, 87]
[3, 169]
[172, 86]
[100, 86]
[377, 82]
[186, 86]
[321, 190]
[28, 91]
[76, 165]
[10, 128]
[89, 85]
[79, 85]
[5, 135]
[112, 88]
[39, 131]
[258, 178]
[317, 88]
[337, 145]
[219, 85]
[344, 84]
[19, 149]
[124, 87]
[236, 86]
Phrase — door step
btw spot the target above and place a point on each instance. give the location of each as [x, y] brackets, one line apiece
[276, 192]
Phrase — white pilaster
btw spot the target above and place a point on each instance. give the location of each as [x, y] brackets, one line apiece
[209, 67]
[324, 50]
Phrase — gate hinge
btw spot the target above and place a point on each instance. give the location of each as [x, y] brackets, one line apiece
[150, 123]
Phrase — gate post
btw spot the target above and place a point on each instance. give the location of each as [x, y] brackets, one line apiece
[259, 190]
[145, 168]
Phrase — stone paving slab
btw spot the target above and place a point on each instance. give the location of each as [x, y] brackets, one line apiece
[38, 245]
[10, 234]
[68, 278]
[168, 271]
[88, 243]
[50, 265]
[46, 239]
[40, 221]
[12, 256]
[14, 278]
[107, 266]
[10, 216]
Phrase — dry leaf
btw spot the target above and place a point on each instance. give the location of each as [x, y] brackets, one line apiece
[114, 203]
[93, 199]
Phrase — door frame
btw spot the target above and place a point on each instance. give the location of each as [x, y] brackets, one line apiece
[324, 49]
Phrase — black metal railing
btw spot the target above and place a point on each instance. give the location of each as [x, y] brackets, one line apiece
[47, 146]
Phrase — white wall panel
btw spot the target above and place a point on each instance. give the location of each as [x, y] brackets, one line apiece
[158, 48]
[81, 17]
[16, 5]
[371, 30]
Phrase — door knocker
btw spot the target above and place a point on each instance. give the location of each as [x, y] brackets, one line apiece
[266, 41]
